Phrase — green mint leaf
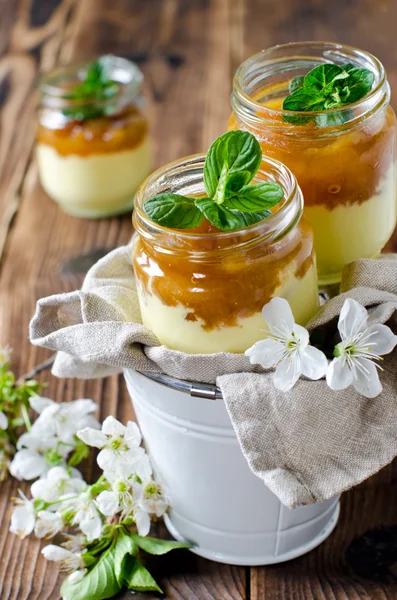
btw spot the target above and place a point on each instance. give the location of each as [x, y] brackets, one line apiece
[324, 76]
[333, 119]
[236, 155]
[359, 83]
[137, 578]
[223, 218]
[157, 546]
[99, 583]
[305, 99]
[125, 546]
[296, 83]
[255, 198]
[173, 210]
[247, 219]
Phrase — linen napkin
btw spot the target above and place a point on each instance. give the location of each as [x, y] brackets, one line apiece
[308, 444]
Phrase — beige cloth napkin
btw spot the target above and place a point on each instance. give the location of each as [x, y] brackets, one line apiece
[308, 444]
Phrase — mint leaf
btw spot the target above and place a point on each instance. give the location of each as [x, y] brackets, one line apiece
[99, 583]
[324, 76]
[255, 198]
[235, 156]
[173, 210]
[296, 83]
[307, 98]
[221, 217]
[247, 219]
[137, 578]
[360, 83]
[157, 546]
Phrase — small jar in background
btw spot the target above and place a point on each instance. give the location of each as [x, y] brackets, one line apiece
[92, 137]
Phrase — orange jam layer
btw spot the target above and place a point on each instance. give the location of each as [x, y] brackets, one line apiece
[343, 168]
[123, 131]
[222, 290]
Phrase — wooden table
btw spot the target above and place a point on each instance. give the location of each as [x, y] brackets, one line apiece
[188, 50]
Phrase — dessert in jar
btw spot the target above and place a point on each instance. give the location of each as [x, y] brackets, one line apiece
[202, 289]
[341, 150]
[92, 137]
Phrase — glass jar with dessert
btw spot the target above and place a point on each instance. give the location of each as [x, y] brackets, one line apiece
[92, 136]
[217, 237]
[323, 110]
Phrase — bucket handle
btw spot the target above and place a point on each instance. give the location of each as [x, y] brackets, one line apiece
[196, 390]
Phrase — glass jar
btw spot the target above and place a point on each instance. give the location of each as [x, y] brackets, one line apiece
[92, 155]
[202, 290]
[347, 172]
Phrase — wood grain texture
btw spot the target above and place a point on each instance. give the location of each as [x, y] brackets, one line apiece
[188, 50]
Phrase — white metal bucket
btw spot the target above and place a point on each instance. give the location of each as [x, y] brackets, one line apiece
[217, 503]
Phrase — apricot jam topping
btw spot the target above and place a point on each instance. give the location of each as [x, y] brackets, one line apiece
[343, 168]
[221, 290]
[114, 133]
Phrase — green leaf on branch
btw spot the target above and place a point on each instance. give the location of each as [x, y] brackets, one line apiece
[137, 578]
[157, 546]
[125, 546]
[173, 210]
[99, 583]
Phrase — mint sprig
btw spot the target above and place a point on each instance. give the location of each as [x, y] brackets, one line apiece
[323, 88]
[96, 87]
[231, 202]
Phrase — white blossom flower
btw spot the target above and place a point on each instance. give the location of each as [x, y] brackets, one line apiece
[117, 500]
[23, 516]
[70, 561]
[30, 461]
[360, 346]
[65, 419]
[151, 498]
[48, 524]
[76, 576]
[74, 542]
[85, 515]
[3, 421]
[118, 444]
[286, 347]
[57, 484]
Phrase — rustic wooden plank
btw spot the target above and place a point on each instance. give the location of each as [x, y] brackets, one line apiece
[170, 40]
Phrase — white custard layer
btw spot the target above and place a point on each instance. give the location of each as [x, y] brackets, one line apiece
[349, 232]
[93, 185]
[169, 324]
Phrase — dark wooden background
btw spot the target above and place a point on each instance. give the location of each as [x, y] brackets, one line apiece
[188, 50]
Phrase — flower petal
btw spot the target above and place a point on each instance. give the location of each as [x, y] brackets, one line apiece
[56, 553]
[113, 427]
[267, 352]
[22, 520]
[339, 376]
[287, 374]
[367, 384]
[278, 316]
[27, 464]
[92, 437]
[132, 434]
[76, 576]
[352, 319]
[142, 521]
[302, 335]
[91, 525]
[108, 503]
[39, 404]
[313, 363]
[383, 337]
[3, 421]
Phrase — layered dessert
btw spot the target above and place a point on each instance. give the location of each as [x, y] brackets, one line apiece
[92, 137]
[215, 306]
[94, 167]
[202, 289]
[345, 162]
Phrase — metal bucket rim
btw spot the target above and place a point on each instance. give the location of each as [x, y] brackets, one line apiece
[193, 388]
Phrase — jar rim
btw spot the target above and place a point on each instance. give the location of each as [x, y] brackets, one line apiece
[244, 105]
[123, 71]
[272, 228]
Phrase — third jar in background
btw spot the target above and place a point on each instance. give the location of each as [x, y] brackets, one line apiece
[347, 171]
